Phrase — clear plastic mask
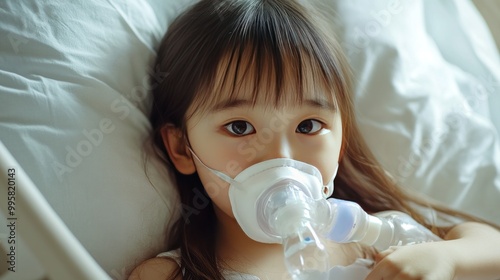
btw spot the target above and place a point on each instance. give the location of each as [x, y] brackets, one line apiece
[247, 191]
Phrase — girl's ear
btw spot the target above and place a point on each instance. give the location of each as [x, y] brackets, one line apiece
[177, 149]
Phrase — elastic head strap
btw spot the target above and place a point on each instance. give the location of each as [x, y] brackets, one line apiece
[216, 172]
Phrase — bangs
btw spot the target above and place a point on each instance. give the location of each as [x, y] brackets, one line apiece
[271, 55]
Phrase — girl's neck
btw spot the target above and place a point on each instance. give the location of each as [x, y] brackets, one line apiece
[238, 252]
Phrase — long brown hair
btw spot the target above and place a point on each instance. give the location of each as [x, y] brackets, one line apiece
[276, 37]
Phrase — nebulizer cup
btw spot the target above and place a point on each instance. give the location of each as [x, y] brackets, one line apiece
[286, 211]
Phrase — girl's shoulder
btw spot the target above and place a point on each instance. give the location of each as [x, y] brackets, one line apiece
[163, 266]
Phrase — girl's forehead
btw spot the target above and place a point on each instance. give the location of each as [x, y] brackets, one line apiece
[248, 95]
[266, 98]
[263, 84]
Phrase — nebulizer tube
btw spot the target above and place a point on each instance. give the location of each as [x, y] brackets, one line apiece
[287, 211]
[350, 223]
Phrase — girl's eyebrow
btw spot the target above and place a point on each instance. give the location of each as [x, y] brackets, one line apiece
[235, 103]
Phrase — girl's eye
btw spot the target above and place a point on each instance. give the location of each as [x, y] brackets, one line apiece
[309, 126]
[239, 128]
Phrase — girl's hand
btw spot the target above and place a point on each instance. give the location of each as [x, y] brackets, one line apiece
[471, 251]
[429, 261]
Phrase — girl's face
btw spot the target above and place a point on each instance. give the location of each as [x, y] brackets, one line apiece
[235, 134]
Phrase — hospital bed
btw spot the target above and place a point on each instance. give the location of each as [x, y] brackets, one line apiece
[74, 104]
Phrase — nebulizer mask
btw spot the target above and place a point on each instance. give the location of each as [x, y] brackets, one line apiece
[279, 201]
[276, 201]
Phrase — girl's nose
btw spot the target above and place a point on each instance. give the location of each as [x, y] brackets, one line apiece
[278, 148]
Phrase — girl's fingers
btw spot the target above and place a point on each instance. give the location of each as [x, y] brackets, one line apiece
[380, 256]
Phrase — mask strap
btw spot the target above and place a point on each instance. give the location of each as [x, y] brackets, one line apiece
[216, 172]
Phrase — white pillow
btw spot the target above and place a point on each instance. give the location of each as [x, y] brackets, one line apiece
[73, 112]
[423, 99]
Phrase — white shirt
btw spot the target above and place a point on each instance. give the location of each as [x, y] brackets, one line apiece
[355, 271]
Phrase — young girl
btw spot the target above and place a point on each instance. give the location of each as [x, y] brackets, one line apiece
[247, 81]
